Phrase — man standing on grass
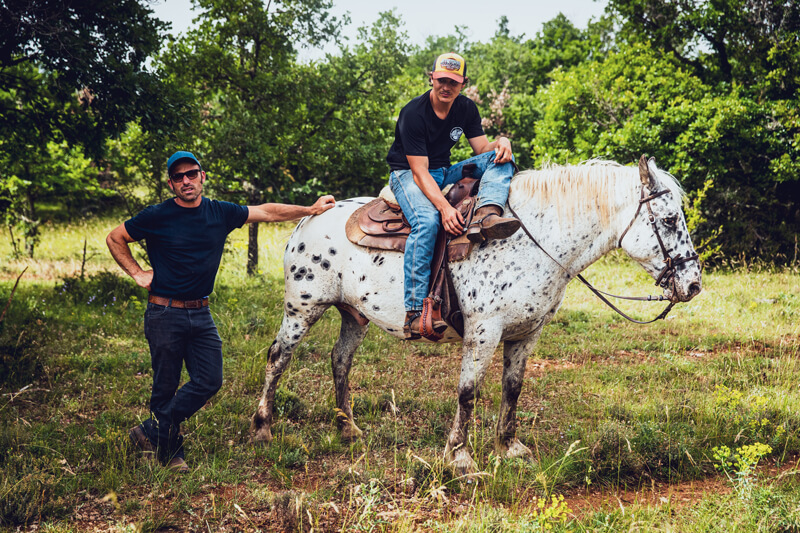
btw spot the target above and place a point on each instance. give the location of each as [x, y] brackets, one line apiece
[185, 238]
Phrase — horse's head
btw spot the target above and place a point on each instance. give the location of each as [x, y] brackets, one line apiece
[657, 237]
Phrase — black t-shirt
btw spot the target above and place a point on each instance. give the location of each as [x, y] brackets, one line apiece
[420, 132]
[185, 244]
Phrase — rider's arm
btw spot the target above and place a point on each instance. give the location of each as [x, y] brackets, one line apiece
[452, 220]
[501, 146]
[270, 212]
[118, 241]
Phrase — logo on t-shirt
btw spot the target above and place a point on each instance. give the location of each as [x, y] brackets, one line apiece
[455, 133]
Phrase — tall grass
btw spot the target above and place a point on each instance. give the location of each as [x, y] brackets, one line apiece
[606, 406]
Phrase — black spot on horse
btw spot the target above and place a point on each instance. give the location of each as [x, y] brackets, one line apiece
[325, 265]
[332, 251]
[294, 267]
[362, 278]
[376, 308]
[364, 299]
[302, 247]
[305, 296]
[310, 277]
[316, 258]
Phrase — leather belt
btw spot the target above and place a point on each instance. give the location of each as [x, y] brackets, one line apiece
[179, 304]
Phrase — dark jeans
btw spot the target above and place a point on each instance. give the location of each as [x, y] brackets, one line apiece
[178, 336]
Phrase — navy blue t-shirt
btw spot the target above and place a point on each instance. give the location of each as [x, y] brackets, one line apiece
[420, 132]
[185, 244]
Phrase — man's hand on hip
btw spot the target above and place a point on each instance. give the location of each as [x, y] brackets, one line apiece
[144, 279]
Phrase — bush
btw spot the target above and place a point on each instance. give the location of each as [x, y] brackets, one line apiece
[102, 288]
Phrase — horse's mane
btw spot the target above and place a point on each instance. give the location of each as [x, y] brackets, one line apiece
[594, 185]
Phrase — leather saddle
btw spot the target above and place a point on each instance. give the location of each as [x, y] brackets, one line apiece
[380, 224]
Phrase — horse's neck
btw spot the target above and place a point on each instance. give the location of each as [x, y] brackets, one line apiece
[577, 243]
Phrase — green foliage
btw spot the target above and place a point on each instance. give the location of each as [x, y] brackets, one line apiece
[639, 101]
[101, 288]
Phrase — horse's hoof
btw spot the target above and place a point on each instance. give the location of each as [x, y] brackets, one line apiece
[515, 450]
[462, 463]
[350, 432]
[262, 436]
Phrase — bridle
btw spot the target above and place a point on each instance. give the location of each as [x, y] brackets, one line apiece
[667, 274]
[665, 277]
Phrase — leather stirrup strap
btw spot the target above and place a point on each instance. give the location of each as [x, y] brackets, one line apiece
[430, 312]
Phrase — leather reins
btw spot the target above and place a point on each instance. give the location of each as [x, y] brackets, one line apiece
[665, 277]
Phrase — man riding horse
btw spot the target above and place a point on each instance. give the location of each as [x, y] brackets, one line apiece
[427, 129]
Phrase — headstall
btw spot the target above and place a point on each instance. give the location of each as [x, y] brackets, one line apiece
[665, 277]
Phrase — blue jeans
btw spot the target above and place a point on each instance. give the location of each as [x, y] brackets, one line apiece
[425, 219]
[178, 336]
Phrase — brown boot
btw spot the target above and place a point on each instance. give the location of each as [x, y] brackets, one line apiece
[178, 465]
[141, 442]
[411, 325]
[488, 224]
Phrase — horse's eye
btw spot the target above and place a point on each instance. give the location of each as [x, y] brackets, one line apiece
[671, 221]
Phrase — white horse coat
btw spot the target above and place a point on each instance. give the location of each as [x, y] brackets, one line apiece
[508, 289]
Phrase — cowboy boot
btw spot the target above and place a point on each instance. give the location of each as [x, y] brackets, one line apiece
[411, 325]
[488, 223]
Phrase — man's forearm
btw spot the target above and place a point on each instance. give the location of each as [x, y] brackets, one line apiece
[121, 253]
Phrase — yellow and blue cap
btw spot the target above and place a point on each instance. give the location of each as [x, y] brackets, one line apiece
[450, 65]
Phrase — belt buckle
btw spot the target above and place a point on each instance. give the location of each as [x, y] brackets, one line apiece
[193, 304]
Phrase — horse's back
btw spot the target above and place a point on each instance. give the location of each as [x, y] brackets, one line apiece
[322, 268]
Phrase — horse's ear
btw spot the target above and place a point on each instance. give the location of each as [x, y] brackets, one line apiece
[648, 180]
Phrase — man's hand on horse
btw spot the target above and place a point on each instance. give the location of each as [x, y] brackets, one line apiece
[502, 150]
[322, 204]
[452, 220]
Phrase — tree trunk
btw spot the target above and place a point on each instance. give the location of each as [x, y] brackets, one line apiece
[31, 226]
[252, 249]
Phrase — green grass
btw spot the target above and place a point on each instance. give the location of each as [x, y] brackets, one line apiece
[608, 407]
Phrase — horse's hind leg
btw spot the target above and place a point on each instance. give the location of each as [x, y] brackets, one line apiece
[293, 328]
[350, 337]
[515, 356]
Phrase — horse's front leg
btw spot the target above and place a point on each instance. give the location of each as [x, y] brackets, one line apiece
[293, 328]
[515, 356]
[474, 363]
[350, 337]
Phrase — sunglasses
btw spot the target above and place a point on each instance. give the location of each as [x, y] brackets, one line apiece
[191, 174]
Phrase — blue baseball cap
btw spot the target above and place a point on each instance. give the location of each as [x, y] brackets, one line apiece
[181, 156]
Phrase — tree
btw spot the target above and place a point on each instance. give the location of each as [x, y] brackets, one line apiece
[71, 74]
[721, 146]
[274, 128]
[717, 40]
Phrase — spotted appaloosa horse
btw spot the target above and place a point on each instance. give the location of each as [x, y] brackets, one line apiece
[508, 289]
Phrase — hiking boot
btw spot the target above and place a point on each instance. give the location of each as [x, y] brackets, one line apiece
[141, 441]
[178, 465]
[488, 224]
